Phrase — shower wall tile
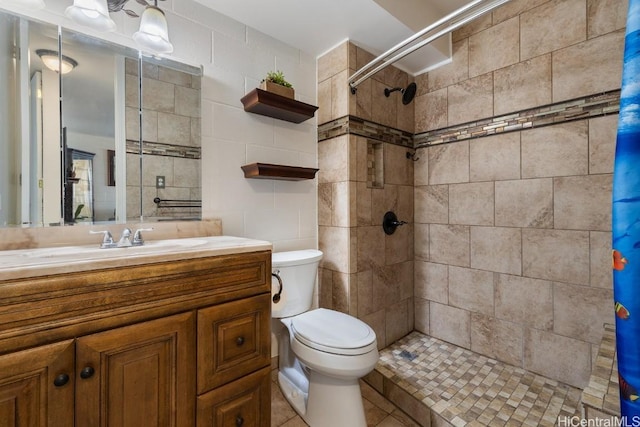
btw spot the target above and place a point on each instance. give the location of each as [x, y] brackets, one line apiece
[481, 23]
[174, 129]
[334, 242]
[571, 78]
[398, 247]
[454, 72]
[333, 155]
[470, 100]
[525, 203]
[573, 193]
[555, 356]
[450, 324]
[363, 204]
[605, 16]
[397, 319]
[524, 85]
[383, 109]
[364, 100]
[421, 321]
[404, 207]
[552, 26]
[421, 167]
[421, 241]
[431, 110]
[496, 249]
[449, 244]
[325, 203]
[398, 169]
[365, 293]
[558, 255]
[371, 253]
[524, 301]
[471, 290]
[377, 322]
[340, 97]
[341, 204]
[494, 48]
[514, 8]
[340, 292]
[449, 163]
[580, 311]
[471, 204]
[496, 338]
[324, 101]
[432, 204]
[333, 62]
[432, 281]
[555, 150]
[602, 144]
[495, 158]
[600, 259]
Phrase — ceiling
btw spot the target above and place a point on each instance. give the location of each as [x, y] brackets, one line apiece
[315, 27]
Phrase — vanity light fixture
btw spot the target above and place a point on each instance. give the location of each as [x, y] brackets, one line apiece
[153, 35]
[25, 4]
[51, 60]
[91, 13]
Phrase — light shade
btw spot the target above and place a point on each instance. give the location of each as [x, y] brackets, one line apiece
[52, 62]
[25, 4]
[91, 13]
[153, 35]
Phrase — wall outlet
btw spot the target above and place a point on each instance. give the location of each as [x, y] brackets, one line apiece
[160, 181]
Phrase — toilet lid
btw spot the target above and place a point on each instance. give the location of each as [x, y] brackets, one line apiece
[333, 332]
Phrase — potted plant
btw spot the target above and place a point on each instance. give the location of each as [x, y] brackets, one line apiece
[276, 83]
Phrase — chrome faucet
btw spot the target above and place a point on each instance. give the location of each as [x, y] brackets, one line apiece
[137, 236]
[125, 239]
[107, 239]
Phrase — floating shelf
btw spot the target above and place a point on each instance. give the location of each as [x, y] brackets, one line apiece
[270, 104]
[286, 173]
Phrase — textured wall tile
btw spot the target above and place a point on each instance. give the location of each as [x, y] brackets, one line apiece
[431, 281]
[470, 100]
[602, 143]
[325, 284]
[333, 62]
[525, 203]
[600, 259]
[523, 85]
[340, 95]
[456, 71]
[363, 202]
[556, 255]
[421, 322]
[377, 322]
[450, 324]
[605, 16]
[481, 23]
[514, 8]
[370, 247]
[431, 110]
[524, 301]
[579, 311]
[494, 48]
[334, 243]
[364, 281]
[362, 157]
[340, 292]
[324, 101]
[187, 101]
[555, 150]
[449, 244]
[496, 338]
[397, 320]
[158, 96]
[590, 67]
[364, 100]
[333, 159]
[495, 157]
[583, 202]
[421, 241]
[397, 168]
[383, 109]
[404, 208]
[555, 356]
[398, 247]
[341, 200]
[471, 290]
[449, 163]
[552, 26]
[471, 204]
[496, 249]
[405, 118]
[432, 204]
[421, 167]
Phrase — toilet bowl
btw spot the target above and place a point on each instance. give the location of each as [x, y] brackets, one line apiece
[322, 353]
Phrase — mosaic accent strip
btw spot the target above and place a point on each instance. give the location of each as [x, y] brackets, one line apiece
[158, 149]
[603, 391]
[467, 389]
[357, 126]
[577, 109]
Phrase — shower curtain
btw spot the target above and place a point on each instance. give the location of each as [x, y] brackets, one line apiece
[626, 225]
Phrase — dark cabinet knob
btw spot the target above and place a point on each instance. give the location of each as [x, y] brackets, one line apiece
[87, 372]
[239, 341]
[61, 380]
[239, 421]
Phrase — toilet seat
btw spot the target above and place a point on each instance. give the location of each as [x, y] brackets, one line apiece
[333, 332]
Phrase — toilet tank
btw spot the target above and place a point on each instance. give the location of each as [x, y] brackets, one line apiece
[298, 271]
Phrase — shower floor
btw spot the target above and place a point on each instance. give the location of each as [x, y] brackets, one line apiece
[462, 388]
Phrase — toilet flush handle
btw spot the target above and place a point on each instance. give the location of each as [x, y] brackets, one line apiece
[276, 297]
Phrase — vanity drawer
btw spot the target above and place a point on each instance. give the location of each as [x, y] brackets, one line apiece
[233, 340]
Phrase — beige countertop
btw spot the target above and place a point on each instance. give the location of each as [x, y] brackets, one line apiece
[24, 263]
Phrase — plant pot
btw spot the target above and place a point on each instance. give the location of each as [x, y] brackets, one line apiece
[272, 87]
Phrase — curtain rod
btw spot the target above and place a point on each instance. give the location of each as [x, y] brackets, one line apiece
[466, 14]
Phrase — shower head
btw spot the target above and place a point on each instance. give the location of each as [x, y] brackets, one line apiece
[407, 94]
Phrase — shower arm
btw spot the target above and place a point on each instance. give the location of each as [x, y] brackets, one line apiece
[452, 25]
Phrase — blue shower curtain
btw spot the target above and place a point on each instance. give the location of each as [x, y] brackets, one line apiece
[626, 224]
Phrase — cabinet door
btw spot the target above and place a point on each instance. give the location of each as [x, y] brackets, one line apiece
[36, 387]
[234, 339]
[138, 375]
[242, 403]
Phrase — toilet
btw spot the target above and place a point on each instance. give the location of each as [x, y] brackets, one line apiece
[322, 353]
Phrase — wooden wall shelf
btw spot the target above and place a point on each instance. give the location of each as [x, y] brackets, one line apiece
[270, 104]
[285, 173]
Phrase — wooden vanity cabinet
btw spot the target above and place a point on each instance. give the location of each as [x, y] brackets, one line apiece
[189, 345]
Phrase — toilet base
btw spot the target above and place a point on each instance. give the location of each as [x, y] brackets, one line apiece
[334, 402]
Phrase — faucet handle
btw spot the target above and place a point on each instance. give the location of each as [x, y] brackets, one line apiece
[107, 239]
[125, 239]
[137, 236]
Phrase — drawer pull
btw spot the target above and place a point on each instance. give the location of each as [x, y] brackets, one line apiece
[239, 341]
[87, 372]
[239, 421]
[61, 380]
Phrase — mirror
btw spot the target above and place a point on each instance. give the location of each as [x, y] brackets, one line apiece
[72, 149]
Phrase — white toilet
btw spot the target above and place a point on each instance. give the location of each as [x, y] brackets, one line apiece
[323, 353]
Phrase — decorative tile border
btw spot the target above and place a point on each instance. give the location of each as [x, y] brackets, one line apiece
[357, 126]
[158, 149]
[576, 109]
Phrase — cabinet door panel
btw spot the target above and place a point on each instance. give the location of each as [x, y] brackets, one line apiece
[242, 403]
[28, 395]
[143, 375]
[233, 340]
